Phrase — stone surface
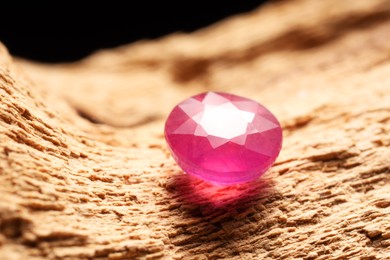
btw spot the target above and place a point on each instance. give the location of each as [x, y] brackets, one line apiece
[85, 172]
[223, 138]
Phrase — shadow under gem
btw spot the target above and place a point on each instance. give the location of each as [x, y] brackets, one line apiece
[218, 217]
[199, 198]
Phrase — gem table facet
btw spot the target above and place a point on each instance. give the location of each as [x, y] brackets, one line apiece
[223, 138]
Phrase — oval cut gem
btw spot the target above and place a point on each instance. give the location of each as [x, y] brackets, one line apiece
[223, 138]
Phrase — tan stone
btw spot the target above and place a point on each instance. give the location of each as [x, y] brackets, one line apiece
[85, 172]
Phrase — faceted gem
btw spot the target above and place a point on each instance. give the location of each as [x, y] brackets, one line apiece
[223, 138]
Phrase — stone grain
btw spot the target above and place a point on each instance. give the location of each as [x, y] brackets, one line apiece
[85, 172]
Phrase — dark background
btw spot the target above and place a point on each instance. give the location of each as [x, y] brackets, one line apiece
[55, 32]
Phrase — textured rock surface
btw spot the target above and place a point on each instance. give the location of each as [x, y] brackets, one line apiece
[85, 172]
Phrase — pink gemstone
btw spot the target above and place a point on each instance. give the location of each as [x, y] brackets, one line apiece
[223, 138]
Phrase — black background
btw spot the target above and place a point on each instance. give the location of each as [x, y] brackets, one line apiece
[54, 32]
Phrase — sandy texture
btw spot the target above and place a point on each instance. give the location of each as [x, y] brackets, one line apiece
[85, 172]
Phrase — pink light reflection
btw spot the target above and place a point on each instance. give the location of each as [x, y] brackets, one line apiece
[192, 191]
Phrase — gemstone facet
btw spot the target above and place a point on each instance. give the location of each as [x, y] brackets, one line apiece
[223, 138]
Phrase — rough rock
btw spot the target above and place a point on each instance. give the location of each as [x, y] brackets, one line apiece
[85, 171]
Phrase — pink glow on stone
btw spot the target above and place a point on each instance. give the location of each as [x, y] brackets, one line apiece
[223, 138]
